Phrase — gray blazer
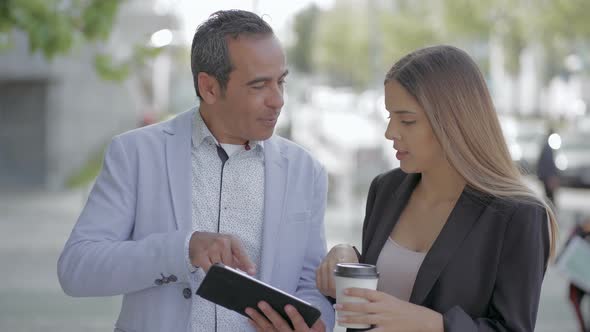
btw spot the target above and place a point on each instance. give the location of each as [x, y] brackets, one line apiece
[484, 271]
[133, 228]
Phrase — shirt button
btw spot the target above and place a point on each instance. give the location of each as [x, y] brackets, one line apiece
[186, 293]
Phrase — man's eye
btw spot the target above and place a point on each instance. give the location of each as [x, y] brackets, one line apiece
[258, 87]
[407, 123]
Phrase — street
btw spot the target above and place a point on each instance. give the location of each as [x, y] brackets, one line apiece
[35, 226]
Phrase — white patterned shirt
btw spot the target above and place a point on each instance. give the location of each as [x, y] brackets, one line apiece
[228, 204]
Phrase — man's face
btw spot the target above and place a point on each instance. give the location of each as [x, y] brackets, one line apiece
[252, 102]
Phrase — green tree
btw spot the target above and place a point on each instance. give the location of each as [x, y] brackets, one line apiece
[342, 47]
[53, 27]
[304, 28]
[346, 43]
[403, 30]
[344, 37]
[559, 26]
[564, 30]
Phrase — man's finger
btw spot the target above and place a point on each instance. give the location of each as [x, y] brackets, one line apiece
[277, 321]
[214, 257]
[260, 321]
[204, 262]
[226, 257]
[318, 326]
[238, 250]
[296, 318]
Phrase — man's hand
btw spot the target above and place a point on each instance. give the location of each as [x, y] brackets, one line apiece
[206, 249]
[274, 322]
[341, 253]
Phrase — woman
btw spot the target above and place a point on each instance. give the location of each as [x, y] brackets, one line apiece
[460, 241]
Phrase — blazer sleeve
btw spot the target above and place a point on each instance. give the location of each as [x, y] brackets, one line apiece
[99, 258]
[316, 251]
[521, 269]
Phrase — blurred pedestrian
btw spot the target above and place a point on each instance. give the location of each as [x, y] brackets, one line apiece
[547, 171]
[460, 241]
[212, 185]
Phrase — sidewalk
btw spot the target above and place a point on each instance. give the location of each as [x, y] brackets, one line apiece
[35, 227]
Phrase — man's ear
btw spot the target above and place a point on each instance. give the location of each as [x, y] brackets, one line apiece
[209, 88]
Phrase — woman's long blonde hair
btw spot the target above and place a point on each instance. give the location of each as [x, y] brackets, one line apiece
[448, 85]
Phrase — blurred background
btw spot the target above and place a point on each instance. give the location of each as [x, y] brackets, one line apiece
[74, 73]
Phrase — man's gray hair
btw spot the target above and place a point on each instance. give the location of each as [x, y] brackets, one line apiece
[209, 51]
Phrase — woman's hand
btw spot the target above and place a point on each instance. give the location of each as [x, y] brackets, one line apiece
[389, 313]
[342, 253]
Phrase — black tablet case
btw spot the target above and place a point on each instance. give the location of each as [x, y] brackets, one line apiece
[237, 291]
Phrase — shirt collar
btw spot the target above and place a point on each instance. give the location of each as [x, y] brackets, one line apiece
[202, 132]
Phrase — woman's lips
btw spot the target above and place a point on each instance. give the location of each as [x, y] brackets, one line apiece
[401, 155]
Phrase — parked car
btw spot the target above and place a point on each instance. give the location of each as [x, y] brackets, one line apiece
[573, 159]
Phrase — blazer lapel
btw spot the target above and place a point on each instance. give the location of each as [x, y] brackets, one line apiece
[275, 182]
[463, 216]
[178, 164]
[393, 206]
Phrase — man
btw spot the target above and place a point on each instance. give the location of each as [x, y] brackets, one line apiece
[211, 185]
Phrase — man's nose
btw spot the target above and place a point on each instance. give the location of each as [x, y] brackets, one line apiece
[276, 100]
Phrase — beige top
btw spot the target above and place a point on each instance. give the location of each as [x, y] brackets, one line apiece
[398, 267]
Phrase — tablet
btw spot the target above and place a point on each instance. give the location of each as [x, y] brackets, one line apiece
[235, 290]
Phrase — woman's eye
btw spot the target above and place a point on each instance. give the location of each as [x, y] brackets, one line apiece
[408, 122]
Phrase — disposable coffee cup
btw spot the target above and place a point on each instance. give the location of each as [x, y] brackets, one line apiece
[353, 275]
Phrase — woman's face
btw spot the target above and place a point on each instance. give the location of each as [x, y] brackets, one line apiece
[418, 150]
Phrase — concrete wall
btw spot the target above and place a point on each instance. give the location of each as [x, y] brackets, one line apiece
[78, 112]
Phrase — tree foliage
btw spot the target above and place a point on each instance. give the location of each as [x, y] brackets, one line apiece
[300, 54]
[353, 39]
[54, 27]
[343, 37]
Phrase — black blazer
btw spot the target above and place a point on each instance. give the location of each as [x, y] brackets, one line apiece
[485, 269]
